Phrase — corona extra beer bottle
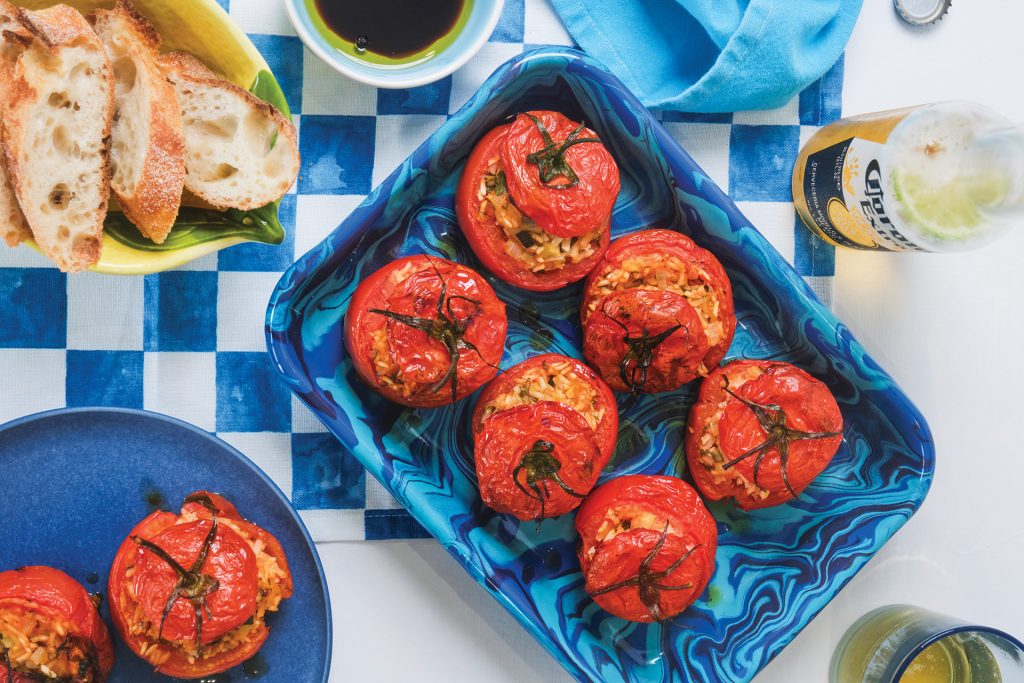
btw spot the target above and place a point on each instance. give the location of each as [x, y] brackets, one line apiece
[939, 177]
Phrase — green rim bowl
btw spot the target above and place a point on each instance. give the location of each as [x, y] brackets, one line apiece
[203, 28]
[445, 56]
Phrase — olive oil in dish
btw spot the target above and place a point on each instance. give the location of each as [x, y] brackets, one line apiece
[390, 31]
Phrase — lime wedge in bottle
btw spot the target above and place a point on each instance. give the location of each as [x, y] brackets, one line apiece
[947, 211]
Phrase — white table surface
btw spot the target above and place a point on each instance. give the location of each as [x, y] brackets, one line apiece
[947, 327]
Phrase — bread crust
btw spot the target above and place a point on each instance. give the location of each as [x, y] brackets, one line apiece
[152, 205]
[52, 30]
[186, 67]
[57, 26]
[13, 39]
[144, 31]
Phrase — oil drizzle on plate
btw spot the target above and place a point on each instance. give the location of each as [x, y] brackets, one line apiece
[255, 667]
[151, 495]
[392, 28]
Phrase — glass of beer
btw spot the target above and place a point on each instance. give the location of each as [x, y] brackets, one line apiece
[906, 644]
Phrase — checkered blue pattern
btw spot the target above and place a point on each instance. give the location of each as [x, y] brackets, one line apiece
[189, 343]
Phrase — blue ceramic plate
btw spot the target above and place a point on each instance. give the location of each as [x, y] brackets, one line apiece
[75, 482]
[777, 567]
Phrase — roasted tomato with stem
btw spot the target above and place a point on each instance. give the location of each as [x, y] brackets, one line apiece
[535, 200]
[559, 173]
[424, 331]
[760, 432]
[50, 629]
[189, 592]
[542, 432]
[536, 461]
[647, 546]
[645, 342]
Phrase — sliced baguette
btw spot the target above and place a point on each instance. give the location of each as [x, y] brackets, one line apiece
[240, 152]
[13, 37]
[147, 148]
[56, 127]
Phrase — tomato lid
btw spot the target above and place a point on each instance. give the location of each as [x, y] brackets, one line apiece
[780, 430]
[536, 461]
[559, 173]
[647, 575]
[645, 340]
[196, 579]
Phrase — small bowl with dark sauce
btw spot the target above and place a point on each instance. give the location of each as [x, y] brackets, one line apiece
[394, 43]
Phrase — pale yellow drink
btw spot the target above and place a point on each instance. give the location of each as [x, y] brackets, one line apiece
[941, 662]
[941, 177]
[871, 651]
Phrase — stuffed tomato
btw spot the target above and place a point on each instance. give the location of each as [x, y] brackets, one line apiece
[50, 629]
[647, 546]
[535, 200]
[424, 331]
[542, 433]
[190, 592]
[760, 432]
[657, 312]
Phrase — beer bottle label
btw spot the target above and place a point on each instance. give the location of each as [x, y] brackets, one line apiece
[844, 193]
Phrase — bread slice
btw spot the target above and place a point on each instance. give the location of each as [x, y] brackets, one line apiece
[13, 38]
[56, 123]
[240, 152]
[147, 148]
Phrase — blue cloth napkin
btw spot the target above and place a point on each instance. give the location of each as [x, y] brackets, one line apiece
[712, 55]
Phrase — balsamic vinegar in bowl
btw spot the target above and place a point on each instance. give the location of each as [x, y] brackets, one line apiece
[390, 32]
[394, 43]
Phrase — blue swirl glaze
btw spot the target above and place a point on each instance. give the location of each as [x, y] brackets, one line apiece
[777, 567]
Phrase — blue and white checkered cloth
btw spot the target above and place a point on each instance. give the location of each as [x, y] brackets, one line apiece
[189, 343]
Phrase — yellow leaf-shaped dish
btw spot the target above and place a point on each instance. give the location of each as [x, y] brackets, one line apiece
[204, 29]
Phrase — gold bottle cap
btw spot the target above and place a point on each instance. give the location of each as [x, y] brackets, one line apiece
[922, 12]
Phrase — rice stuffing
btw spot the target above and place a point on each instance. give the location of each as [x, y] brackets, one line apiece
[620, 519]
[389, 373]
[656, 272]
[526, 241]
[709, 449]
[552, 381]
[36, 644]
